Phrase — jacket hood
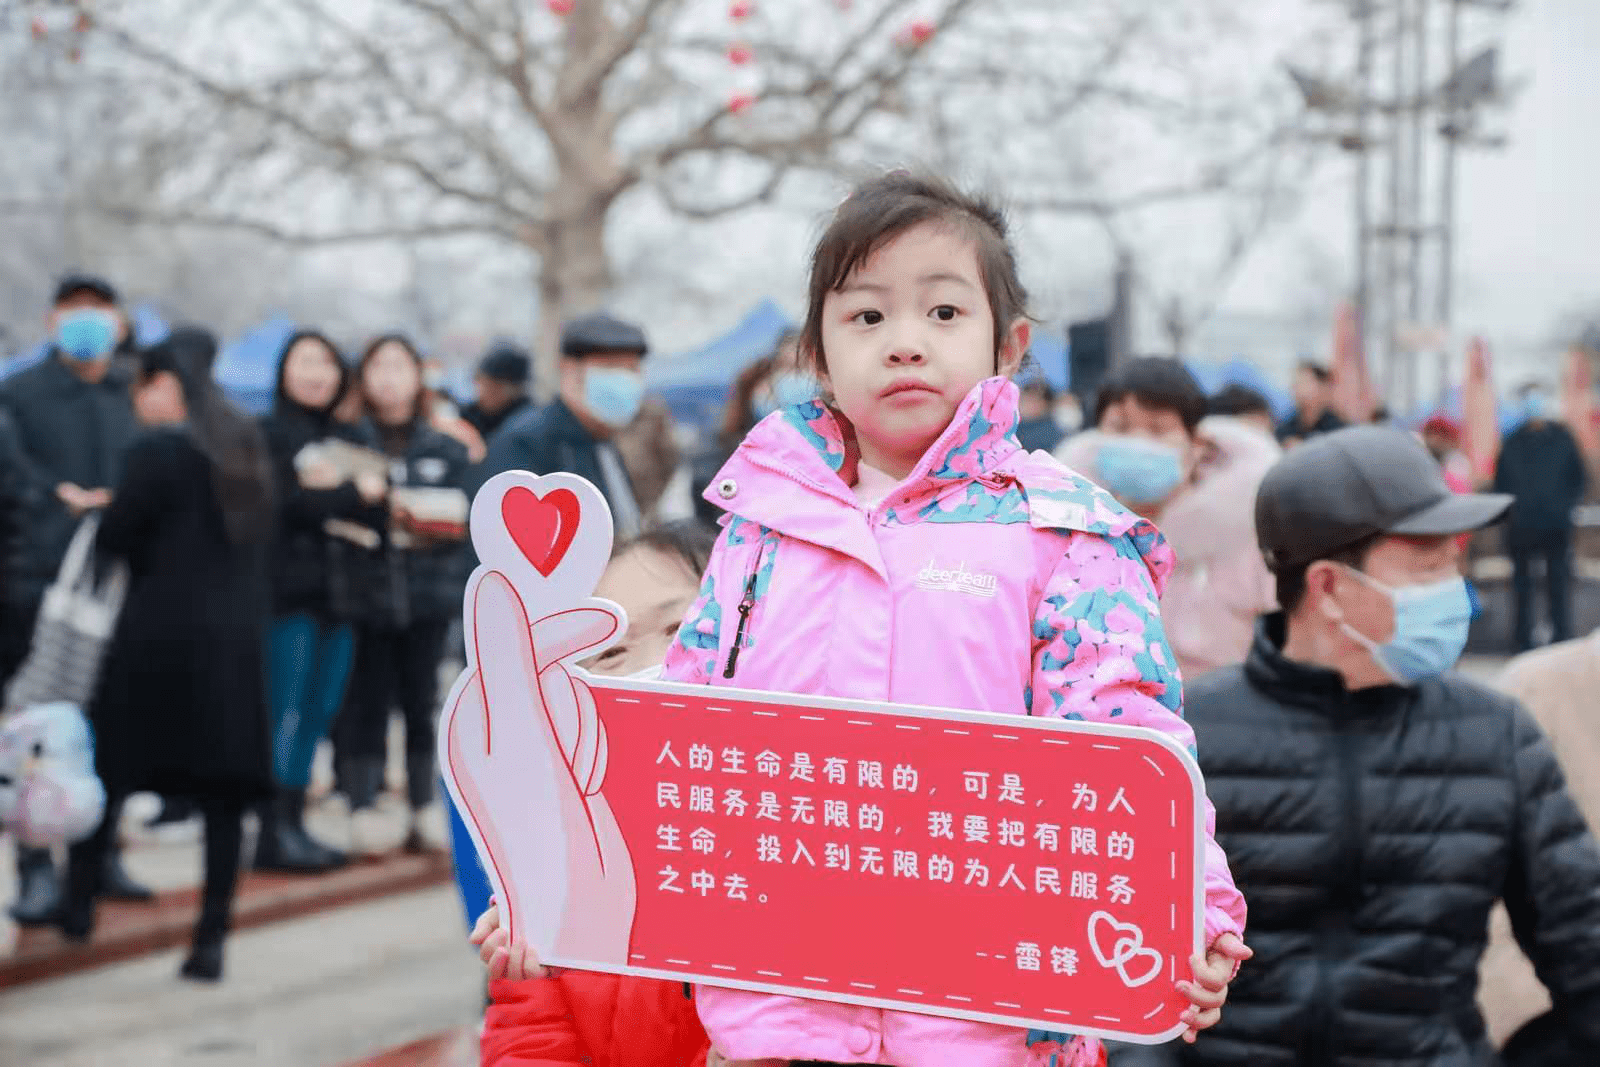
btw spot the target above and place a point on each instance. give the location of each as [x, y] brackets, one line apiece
[795, 471]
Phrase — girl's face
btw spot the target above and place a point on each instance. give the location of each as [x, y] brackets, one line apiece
[906, 339]
[158, 400]
[392, 381]
[655, 589]
[311, 374]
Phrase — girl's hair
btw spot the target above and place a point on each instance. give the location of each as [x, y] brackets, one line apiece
[689, 541]
[738, 416]
[281, 396]
[241, 470]
[883, 208]
[417, 405]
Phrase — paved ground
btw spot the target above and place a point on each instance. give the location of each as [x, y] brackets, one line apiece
[316, 992]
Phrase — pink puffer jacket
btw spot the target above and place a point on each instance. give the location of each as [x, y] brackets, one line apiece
[991, 579]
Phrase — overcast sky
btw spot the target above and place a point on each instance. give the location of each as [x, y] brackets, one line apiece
[1529, 215]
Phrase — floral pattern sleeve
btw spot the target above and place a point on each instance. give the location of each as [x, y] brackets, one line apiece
[1100, 654]
[692, 656]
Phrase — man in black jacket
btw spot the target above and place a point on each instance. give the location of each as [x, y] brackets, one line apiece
[1313, 406]
[72, 418]
[502, 385]
[602, 389]
[1373, 804]
[1541, 465]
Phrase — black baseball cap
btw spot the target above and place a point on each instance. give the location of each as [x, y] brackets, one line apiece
[1340, 488]
[506, 362]
[599, 332]
[71, 285]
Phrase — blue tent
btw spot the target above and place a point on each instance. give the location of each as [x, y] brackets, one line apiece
[247, 369]
[695, 384]
[1239, 371]
[1048, 351]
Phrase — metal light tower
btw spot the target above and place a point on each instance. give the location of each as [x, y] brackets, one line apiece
[1405, 129]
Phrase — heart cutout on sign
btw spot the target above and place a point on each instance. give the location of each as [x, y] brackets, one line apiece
[542, 527]
[1128, 948]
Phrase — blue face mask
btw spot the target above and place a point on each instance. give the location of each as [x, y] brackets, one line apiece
[613, 395]
[86, 334]
[1139, 471]
[1430, 628]
[1535, 405]
[785, 391]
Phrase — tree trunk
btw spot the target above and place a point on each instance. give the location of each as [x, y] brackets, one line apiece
[574, 279]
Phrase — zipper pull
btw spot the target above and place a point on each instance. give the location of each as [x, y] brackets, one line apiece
[746, 606]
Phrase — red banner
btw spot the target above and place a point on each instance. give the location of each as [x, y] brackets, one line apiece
[1017, 870]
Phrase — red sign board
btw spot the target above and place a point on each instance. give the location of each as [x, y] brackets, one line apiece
[1023, 871]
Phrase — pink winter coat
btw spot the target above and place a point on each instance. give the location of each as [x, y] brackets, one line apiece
[991, 579]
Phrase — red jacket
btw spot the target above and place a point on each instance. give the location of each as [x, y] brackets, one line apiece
[584, 1019]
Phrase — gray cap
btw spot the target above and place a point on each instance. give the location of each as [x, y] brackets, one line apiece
[1340, 488]
[599, 332]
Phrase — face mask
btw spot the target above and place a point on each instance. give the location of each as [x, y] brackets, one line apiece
[1430, 628]
[785, 391]
[613, 396]
[87, 334]
[1068, 418]
[1139, 471]
[1535, 405]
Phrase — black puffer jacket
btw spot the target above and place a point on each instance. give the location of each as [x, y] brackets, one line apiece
[14, 502]
[310, 567]
[67, 430]
[1371, 833]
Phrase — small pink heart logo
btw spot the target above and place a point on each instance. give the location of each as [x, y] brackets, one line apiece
[542, 527]
[1125, 949]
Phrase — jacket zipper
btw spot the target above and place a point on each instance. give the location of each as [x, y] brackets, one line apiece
[746, 606]
[1347, 896]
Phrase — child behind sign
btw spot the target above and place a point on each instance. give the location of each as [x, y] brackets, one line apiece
[894, 543]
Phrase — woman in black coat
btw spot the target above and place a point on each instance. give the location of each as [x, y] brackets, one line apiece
[415, 585]
[180, 707]
[311, 644]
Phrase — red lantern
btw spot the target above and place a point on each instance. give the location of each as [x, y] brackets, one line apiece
[84, 22]
[560, 7]
[740, 102]
[739, 53]
[741, 9]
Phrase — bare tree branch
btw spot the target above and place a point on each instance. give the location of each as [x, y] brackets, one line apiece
[134, 214]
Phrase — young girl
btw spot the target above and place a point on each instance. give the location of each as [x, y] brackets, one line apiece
[915, 324]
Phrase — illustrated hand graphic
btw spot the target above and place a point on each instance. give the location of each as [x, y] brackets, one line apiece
[527, 750]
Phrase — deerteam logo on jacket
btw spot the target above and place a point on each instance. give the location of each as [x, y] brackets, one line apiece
[960, 580]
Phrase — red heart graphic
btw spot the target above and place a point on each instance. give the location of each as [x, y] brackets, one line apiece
[542, 527]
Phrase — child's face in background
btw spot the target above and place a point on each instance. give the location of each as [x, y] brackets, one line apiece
[907, 338]
[655, 589]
